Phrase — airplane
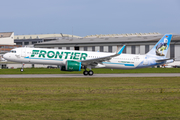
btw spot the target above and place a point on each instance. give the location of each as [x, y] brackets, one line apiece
[71, 60]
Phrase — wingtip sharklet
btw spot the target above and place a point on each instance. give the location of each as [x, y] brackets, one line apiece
[121, 50]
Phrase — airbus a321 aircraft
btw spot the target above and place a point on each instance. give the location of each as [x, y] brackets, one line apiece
[71, 60]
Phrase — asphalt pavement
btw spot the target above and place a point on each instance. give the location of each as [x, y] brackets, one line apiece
[95, 75]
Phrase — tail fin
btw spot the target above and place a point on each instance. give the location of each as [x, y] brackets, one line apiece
[161, 48]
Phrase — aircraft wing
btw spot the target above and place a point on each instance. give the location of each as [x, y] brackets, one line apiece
[95, 61]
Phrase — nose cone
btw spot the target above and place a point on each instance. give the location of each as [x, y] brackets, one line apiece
[5, 56]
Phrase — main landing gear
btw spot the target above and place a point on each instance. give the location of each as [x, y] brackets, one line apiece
[90, 72]
[22, 68]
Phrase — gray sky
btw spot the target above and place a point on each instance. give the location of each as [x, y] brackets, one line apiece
[87, 17]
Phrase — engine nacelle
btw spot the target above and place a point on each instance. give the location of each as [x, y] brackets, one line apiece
[71, 66]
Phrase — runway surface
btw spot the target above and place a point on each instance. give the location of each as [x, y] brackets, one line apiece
[95, 75]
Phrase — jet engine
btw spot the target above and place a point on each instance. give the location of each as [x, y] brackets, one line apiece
[71, 65]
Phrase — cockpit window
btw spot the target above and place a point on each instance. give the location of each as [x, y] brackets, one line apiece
[12, 51]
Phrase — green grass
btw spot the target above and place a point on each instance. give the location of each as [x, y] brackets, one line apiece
[96, 71]
[90, 98]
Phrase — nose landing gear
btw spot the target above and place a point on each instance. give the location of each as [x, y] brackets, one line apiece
[22, 67]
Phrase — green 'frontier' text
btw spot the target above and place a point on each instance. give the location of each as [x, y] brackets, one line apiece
[59, 54]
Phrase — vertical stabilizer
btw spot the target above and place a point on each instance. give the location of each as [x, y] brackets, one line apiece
[161, 48]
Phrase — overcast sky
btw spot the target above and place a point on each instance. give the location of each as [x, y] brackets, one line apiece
[87, 17]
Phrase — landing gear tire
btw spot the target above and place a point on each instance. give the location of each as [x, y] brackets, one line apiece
[85, 72]
[21, 69]
[90, 72]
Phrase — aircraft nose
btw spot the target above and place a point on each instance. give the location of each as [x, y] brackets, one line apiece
[5, 56]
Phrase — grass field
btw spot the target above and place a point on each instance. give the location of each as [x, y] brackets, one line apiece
[96, 71]
[90, 98]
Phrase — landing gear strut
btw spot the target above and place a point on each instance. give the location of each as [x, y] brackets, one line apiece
[90, 72]
[22, 68]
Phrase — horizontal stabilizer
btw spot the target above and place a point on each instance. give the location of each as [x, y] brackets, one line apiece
[163, 60]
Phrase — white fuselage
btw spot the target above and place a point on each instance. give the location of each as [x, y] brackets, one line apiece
[59, 57]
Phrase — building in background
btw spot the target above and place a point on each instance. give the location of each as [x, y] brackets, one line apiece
[30, 40]
[7, 38]
[7, 42]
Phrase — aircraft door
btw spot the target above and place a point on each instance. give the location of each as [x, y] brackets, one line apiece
[23, 52]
